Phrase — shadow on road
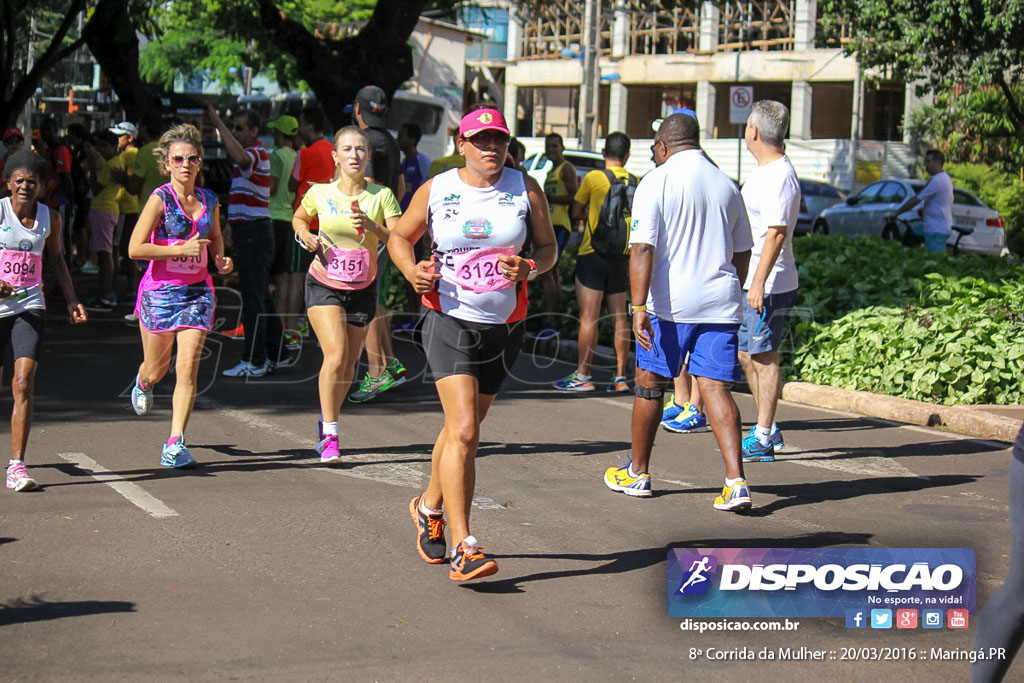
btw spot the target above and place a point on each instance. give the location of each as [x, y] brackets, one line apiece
[830, 491]
[641, 558]
[23, 611]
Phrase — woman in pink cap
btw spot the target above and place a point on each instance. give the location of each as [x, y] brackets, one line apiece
[481, 219]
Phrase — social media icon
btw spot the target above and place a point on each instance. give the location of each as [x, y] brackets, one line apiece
[881, 618]
[956, 618]
[906, 618]
[931, 618]
[856, 618]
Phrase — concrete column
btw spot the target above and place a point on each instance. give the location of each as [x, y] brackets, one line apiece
[709, 18]
[806, 19]
[515, 49]
[912, 102]
[800, 110]
[706, 109]
[618, 93]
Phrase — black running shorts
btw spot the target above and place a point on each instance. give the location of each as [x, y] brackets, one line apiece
[22, 333]
[458, 347]
[360, 304]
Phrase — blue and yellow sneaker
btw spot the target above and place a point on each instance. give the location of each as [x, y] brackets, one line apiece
[735, 497]
[690, 421]
[776, 437]
[575, 382]
[755, 451]
[176, 455]
[672, 410]
[619, 479]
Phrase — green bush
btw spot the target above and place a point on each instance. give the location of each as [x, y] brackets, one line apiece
[1004, 192]
[876, 316]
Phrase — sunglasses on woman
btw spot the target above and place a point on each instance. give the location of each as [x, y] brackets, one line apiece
[191, 159]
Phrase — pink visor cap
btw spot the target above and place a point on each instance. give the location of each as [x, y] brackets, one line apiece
[480, 120]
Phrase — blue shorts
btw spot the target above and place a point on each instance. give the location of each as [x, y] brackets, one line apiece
[935, 241]
[712, 349]
[759, 335]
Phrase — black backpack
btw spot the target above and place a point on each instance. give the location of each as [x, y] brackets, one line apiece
[611, 234]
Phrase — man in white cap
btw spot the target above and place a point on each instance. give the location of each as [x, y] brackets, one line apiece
[127, 201]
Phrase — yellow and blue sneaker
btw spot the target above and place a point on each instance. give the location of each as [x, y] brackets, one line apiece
[735, 497]
[575, 382]
[672, 410]
[689, 421]
[622, 480]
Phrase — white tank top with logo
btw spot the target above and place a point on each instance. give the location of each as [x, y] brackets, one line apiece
[21, 258]
[463, 219]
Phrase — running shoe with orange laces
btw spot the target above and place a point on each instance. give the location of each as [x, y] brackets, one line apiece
[469, 562]
[429, 533]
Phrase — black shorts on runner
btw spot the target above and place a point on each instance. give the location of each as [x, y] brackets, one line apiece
[360, 304]
[459, 347]
[598, 273]
[22, 333]
[289, 255]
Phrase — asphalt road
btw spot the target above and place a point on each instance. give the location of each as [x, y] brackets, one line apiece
[263, 565]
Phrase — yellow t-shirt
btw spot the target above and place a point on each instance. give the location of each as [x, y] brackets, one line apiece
[554, 185]
[106, 200]
[592, 191]
[147, 168]
[441, 165]
[334, 210]
[126, 202]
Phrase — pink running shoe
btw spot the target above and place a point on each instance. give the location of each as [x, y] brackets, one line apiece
[329, 454]
[18, 479]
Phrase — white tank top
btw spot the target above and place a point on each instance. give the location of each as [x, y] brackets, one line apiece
[463, 218]
[16, 237]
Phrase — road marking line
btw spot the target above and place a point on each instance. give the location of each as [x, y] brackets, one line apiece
[133, 493]
[393, 473]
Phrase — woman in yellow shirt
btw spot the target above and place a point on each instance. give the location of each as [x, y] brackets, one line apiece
[341, 286]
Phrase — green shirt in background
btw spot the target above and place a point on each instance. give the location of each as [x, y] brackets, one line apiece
[281, 202]
[147, 167]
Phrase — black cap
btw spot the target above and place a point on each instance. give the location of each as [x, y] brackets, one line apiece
[373, 105]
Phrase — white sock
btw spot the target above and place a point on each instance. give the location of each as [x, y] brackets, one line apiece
[427, 511]
[14, 462]
[732, 482]
[469, 542]
[630, 471]
[775, 427]
[580, 375]
[763, 434]
[330, 428]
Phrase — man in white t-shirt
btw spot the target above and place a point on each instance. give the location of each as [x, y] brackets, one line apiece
[772, 197]
[690, 243]
[937, 196]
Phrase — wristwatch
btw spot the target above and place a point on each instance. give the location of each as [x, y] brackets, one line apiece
[637, 309]
[533, 270]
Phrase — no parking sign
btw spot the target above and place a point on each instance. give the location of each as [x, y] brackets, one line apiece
[740, 99]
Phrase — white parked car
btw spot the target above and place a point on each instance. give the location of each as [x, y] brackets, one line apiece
[864, 214]
[538, 165]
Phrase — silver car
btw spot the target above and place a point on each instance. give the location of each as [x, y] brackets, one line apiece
[864, 214]
[815, 197]
[538, 165]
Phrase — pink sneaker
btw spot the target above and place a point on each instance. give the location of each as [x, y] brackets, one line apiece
[18, 479]
[328, 448]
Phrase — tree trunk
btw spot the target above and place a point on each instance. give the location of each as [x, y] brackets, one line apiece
[336, 69]
[110, 35]
[15, 92]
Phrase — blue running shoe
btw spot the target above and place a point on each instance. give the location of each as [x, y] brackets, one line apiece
[776, 438]
[176, 455]
[574, 382]
[142, 399]
[755, 451]
[672, 410]
[690, 421]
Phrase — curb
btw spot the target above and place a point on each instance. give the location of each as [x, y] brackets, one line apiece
[967, 420]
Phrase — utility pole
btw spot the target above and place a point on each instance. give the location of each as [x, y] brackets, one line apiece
[855, 124]
[590, 85]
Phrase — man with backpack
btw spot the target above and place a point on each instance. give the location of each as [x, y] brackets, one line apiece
[604, 200]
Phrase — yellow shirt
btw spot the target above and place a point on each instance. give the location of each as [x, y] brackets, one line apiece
[441, 165]
[106, 200]
[128, 203]
[335, 212]
[592, 191]
[555, 185]
[147, 168]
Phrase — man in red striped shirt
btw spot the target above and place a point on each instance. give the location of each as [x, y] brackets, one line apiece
[253, 243]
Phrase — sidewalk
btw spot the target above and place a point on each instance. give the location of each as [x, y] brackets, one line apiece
[1000, 423]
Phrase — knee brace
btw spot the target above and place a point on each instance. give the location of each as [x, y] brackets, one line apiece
[647, 393]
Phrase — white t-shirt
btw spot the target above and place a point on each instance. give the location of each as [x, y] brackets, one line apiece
[16, 237]
[772, 196]
[462, 219]
[937, 196]
[693, 215]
